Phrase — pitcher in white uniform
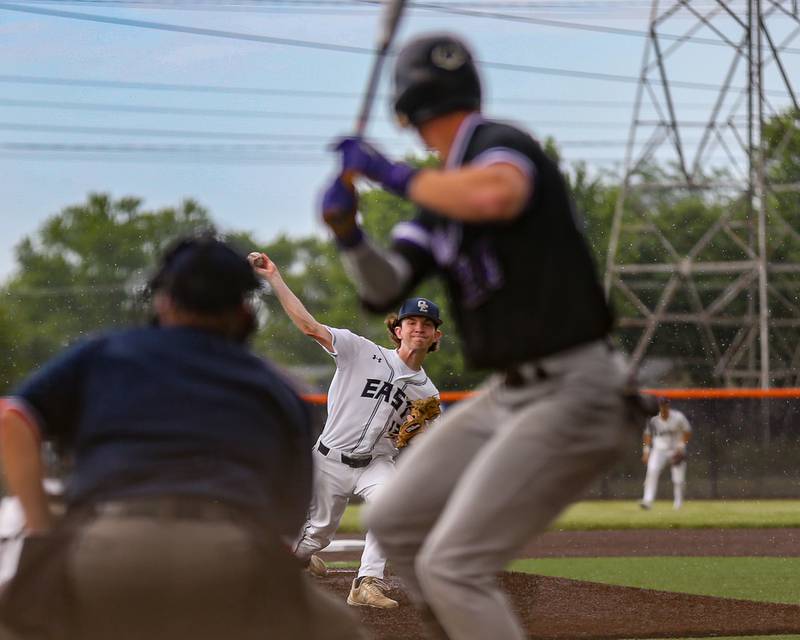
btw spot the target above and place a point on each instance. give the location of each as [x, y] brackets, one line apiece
[368, 398]
[665, 438]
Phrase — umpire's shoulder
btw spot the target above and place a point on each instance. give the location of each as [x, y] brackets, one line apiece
[283, 389]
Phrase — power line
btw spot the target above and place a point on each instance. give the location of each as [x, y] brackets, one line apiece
[296, 138]
[240, 113]
[126, 108]
[163, 86]
[282, 160]
[227, 89]
[564, 25]
[280, 141]
[235, 148]
[162, 26]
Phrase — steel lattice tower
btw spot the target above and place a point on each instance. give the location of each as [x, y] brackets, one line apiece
[726, 286]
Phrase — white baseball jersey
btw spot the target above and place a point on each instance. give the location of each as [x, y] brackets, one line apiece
[668, 434]
[369, 395]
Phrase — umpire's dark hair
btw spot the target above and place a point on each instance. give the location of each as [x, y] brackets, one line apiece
[204, 275]
[392, 322]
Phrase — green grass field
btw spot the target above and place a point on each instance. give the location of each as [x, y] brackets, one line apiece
[761, 579]
[696, 514]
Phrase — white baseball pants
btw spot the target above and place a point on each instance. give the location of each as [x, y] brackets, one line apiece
[334, 483]
[493, 473]
[658, 459]
[12, 527]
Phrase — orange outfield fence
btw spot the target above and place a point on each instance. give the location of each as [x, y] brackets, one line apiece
[745, 444]
[449, 397]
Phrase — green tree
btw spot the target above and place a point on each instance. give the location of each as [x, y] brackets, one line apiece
[81, 272]
[9, 339]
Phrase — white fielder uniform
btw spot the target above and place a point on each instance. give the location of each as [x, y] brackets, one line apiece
[12, 535]
[369, 396]
[667, 439]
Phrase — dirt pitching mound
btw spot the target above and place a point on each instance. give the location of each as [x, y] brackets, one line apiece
[559, 608]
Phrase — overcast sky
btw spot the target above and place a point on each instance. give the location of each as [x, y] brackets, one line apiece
[150, 110]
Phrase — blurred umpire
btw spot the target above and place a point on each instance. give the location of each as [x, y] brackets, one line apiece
[192, 464]
[497, 224]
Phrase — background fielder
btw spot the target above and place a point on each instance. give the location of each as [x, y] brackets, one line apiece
[368, 397]
[665, 438]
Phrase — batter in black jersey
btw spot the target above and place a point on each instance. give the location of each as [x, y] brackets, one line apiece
[496, 223]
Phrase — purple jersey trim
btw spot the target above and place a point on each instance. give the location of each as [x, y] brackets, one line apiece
[504, 155]
[413, 233]
[463, 136]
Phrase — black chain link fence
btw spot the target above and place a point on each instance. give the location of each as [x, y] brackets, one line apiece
[741, 448]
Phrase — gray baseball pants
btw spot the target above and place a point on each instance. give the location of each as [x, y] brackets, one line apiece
[491, 474]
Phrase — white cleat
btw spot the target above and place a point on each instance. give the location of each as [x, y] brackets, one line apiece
[317, 567]
[370, 594]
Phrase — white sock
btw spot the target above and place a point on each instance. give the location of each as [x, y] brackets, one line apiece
[678, 496]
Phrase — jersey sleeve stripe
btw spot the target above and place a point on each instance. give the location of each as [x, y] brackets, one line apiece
[413, 233]
[504, 155]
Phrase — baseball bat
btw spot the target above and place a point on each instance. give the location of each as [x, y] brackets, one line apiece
[393, 10]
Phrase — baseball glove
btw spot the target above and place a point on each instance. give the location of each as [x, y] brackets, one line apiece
[678, 457]
[419, 415]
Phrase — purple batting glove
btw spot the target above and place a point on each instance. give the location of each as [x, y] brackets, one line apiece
[339, 213]
[362, 158]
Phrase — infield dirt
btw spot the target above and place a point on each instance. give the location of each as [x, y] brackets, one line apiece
[562, 608]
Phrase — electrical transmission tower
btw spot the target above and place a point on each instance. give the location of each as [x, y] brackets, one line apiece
[703, 262]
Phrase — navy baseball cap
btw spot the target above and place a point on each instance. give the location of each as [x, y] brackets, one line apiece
[419, 307]
[663, 400]
[205, 275]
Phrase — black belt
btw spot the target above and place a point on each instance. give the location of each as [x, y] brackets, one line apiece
[178, 508]
[514, 376]
[356, 463]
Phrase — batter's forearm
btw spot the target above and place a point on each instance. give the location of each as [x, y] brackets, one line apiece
[381, 276]
[472, 194]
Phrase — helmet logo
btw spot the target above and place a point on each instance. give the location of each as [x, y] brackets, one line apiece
[422, 305]
[448, 56]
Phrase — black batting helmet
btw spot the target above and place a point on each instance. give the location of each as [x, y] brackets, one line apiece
[434, 75]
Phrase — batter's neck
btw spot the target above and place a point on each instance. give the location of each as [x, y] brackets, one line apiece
[440, 133]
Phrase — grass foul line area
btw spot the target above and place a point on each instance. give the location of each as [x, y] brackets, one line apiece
[625, 514]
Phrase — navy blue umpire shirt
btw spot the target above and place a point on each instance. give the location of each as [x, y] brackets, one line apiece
[176, 412]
